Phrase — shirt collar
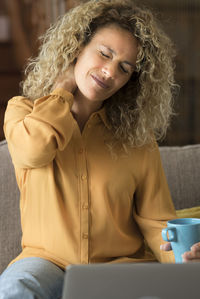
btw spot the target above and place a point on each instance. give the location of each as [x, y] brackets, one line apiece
[103, 116]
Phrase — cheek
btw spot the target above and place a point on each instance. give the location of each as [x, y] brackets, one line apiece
[79, 73]
[84, 67]
[77, 68]
[81, 67]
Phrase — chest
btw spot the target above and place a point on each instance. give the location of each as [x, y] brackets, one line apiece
[92, 157]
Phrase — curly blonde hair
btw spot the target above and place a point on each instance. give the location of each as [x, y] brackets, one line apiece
[141, 110]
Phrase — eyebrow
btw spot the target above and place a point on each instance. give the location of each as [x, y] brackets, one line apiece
[113, 52]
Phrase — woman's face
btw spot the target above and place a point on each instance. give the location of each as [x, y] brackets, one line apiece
[106, 63]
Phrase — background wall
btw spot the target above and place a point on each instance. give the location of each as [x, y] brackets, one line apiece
[22, 21]
[181, 20]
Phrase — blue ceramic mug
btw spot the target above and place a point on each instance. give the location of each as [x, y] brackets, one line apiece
[182, 233]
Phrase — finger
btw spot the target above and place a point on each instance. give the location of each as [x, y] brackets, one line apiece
[192, 261]
[191, 256]
[166, 247]
[195, 247]
[66, 80]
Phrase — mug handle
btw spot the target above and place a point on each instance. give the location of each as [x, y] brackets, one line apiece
[169, 234]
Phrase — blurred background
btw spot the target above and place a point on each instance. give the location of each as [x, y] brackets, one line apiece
[23, 21]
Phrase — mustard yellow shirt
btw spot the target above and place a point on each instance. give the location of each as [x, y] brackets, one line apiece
[80, 203]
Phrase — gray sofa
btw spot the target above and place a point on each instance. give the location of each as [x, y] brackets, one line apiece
[182, 168]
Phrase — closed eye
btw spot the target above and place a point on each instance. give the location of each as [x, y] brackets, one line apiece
[105, 55]
[124, 70]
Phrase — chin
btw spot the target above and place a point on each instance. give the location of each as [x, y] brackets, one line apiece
[93, 96]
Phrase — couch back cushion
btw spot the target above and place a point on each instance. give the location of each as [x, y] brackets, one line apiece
[10, 229]
[182, 169]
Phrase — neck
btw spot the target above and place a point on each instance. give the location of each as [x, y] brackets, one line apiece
[82, 108]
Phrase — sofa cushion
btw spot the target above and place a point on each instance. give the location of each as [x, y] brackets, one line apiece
[182, 169]
[189, 213]
[10, 229]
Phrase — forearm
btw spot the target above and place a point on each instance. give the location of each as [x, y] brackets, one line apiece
[153, 203]
[151, 230]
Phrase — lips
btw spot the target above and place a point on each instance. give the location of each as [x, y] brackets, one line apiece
[99, 82]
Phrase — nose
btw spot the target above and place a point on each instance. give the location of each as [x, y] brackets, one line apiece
[109, 70]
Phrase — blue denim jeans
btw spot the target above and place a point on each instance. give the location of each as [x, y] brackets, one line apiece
[32, 278]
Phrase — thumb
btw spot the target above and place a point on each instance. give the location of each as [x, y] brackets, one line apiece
[166, 247]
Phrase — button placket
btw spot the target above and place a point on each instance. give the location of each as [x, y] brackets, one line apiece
[84, 203]
[84, 220]
[84, 191]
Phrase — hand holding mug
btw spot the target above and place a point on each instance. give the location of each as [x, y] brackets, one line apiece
[189, 256]
[184, 239]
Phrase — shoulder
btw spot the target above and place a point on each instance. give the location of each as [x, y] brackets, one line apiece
[18, 105]
[20, 100]
[146, 150]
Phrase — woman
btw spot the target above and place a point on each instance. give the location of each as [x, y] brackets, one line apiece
[82, 140]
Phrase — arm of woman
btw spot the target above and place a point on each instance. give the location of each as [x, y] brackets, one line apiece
[153, 204]
[36, 130]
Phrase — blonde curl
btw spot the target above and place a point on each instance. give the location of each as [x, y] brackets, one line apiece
[141, 110]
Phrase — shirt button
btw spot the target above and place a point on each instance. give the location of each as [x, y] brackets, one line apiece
[85, 236]
[89, 126]
[84, 177]
[85, 206]
[80, 150]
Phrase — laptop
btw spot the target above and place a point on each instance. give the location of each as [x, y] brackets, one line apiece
[132, 281]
